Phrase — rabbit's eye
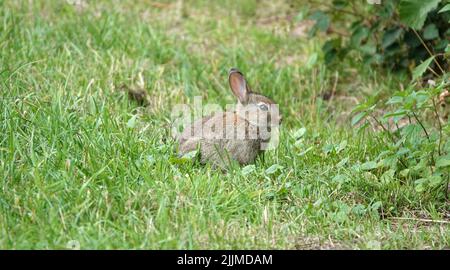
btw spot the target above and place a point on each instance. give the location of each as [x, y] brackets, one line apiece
[263, 107]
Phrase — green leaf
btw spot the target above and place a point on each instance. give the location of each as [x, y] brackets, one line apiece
[435, 180]
[412, 130]
[322, 21]
[178, 160]
[387, 9]
[395, 100]
[388, 176]
[420, 69]
[420, 184]
[376, 205]
[341, 146]
[369, 48]
[186, 158]
[430, 32]
[400, 112]
[331, 48]
[312, 60]
[390, 36]
[342, 162]
[359, 35]
[340, 216]
[330, 56]
[360, 107]
[328, 148]
[443, 162]
[306, 151]
[340, 178]
[340, 4]
[248, 169]
[150, 159]
[414, 12]
[402, 151]
[445, 8]
[190, 155]
[274, 168]
[370, 165]
[405, 172]
[132, 122]
[357, 118]
[441, 45]
[299, 133]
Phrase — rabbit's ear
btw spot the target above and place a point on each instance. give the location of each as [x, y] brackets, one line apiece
[238, 85]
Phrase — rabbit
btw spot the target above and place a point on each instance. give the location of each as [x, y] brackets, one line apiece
[233, 136]
[444, 101]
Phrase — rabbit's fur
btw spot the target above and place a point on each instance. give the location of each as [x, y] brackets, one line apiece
[218, 141]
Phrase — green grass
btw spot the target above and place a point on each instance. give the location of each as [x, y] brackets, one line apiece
[72, 166]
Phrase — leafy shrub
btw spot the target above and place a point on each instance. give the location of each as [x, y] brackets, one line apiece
[411, 35]
[396, 34]
[417, 138]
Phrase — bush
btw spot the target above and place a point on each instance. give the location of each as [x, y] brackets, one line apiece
[396, 34]
[417, 145]
[400, 35]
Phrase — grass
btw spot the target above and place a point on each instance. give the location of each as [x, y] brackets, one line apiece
[74, 167]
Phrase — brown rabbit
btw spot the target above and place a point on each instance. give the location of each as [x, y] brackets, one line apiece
[237, 135]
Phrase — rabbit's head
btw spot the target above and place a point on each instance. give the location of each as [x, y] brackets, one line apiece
[257, 109]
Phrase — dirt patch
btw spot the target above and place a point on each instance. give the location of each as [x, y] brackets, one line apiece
[315, 243]
[302, 28]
